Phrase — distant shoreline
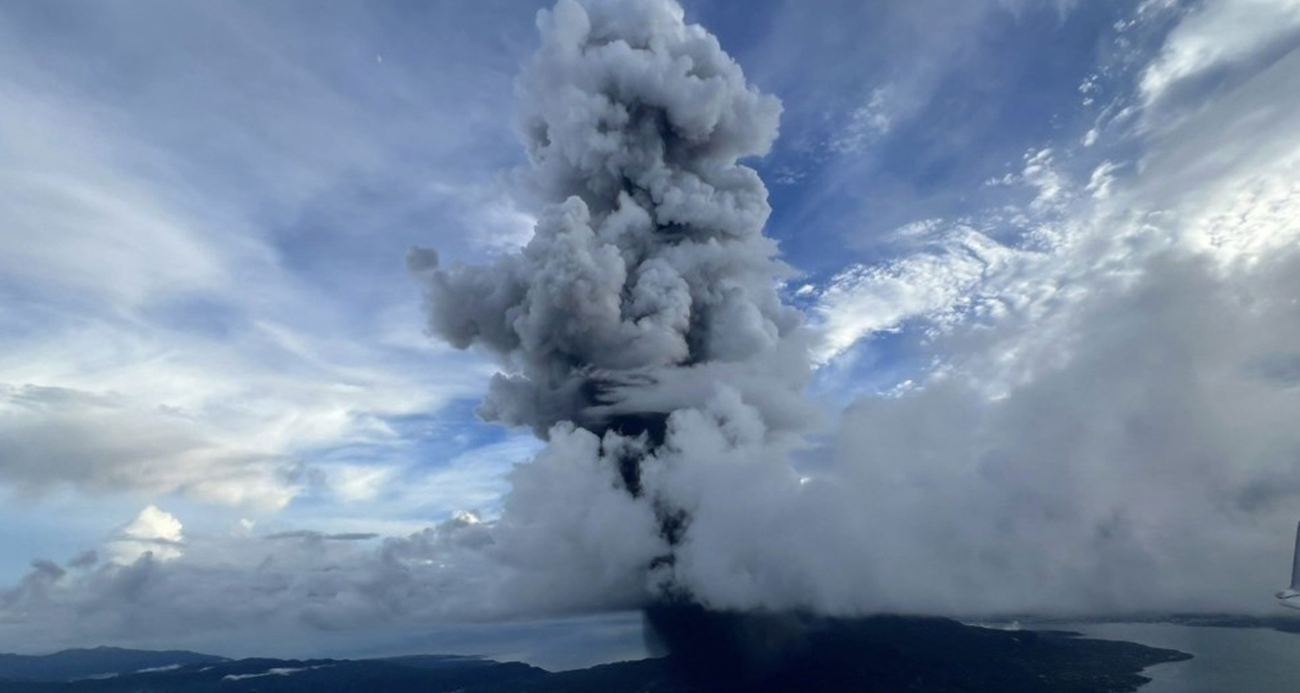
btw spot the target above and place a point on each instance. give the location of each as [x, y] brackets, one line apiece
[1283, 624]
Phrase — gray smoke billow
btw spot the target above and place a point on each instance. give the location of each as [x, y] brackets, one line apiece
[645, 306]
[643, 336]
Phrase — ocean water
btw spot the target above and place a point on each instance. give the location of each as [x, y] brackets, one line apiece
[1225, 660]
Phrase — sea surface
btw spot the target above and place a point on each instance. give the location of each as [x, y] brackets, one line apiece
[1225, 660]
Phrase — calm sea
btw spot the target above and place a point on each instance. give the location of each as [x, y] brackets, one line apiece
[1226, 660]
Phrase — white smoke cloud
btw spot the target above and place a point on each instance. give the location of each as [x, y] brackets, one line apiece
[1149, 468]
[650, 259]
[1115, 438]
[647, 285]
[1081, 444]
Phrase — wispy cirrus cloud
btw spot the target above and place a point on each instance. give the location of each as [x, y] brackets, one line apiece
[171, 324]
[1217, 38]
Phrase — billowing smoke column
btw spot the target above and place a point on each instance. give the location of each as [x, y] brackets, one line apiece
[645, 309]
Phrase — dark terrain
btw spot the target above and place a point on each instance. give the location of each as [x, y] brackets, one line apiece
[711, 652]
[79, 664]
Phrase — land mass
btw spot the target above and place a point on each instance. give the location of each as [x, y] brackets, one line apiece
[750, 653]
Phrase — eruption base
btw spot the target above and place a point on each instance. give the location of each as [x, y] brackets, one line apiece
[759, 652]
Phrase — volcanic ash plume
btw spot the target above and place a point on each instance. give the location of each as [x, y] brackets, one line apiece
[641, 325]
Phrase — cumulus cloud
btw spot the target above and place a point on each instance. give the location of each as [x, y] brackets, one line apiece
[295, 580]
[153, 532]
[256, 592]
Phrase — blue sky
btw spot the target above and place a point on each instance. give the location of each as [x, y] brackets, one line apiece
[205, 209]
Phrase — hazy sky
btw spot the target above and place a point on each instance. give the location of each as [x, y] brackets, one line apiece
[1047, 253]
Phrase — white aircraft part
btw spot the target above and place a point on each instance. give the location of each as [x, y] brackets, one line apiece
[1290, 598]
[1295, 562]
